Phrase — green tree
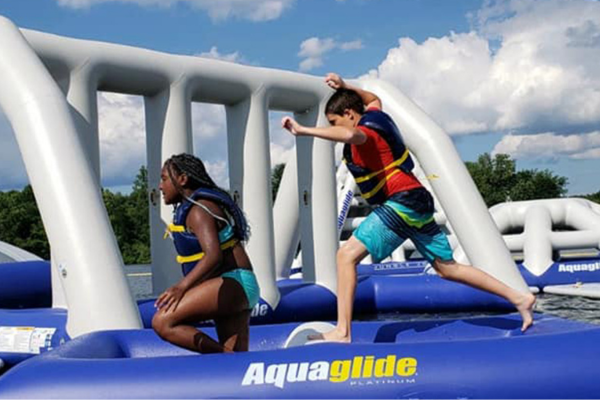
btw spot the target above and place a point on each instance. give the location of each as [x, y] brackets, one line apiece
[593, 197]
[139, 213]
[498, 180]
[21, 223]
[129, 218]
[493, 176]
[276, 174]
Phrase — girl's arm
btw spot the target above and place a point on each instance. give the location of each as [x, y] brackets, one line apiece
[204, 226]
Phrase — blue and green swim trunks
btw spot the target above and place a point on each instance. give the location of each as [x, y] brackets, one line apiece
[405, 215]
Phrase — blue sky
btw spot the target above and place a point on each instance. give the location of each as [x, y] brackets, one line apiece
[509, 76]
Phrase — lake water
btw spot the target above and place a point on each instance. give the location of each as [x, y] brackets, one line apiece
[140, 281]
[571, 307]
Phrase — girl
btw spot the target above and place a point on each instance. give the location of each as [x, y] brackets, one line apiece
[208, 230]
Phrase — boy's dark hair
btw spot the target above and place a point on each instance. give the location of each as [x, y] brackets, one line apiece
[344, 99]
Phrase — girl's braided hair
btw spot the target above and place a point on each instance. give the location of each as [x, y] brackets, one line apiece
[194, 168]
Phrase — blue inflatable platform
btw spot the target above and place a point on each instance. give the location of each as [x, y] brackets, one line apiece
[25, 284]
[393, 286]
[484, 357]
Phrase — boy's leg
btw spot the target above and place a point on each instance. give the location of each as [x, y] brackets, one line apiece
[479, 279]
[372, 237]
[348, 256]
[433, 244]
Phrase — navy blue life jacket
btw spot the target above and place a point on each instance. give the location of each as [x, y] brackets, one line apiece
[371, 182]
[187, 246]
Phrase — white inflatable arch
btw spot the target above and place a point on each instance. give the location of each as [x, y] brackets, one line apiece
[49, 90]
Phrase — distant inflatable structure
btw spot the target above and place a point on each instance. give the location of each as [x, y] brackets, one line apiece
[10, 253]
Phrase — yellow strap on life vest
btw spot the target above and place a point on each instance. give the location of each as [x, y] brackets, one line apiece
[377, 188]
[389, 166]
[198, 256]
[173, 228]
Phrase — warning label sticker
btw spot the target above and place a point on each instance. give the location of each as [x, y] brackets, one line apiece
[25, 339]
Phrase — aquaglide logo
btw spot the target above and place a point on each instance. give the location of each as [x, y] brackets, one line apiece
[336, 371]
[571, 268]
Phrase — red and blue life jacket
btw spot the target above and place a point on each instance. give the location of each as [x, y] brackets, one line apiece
[371, 182]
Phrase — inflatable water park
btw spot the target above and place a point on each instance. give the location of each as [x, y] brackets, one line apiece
[70, 327]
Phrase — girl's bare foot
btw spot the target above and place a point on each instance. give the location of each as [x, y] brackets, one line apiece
[525, 308]
[335, 335]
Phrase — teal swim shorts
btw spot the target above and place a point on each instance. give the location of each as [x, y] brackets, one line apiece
[390, 224]
[247, 280]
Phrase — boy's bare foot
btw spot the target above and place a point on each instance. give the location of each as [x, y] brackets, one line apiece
[525, 308]
[334, 335]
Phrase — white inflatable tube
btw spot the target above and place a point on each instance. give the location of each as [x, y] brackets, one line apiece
[85, 250]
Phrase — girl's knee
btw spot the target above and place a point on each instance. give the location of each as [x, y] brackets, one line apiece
[161, 324]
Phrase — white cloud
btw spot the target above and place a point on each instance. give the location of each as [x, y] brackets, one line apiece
[219, 172]
[349, 46]
[444, 76]
[210, 140]
[550, 146]
[122, 137]
[282, 142]
[213, 53]
[530, 66]
[280, 154]
[314, 49]
[208, 121]
[253, 10]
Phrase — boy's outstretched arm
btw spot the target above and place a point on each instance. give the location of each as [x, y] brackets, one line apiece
[370, 99]
[333, 133]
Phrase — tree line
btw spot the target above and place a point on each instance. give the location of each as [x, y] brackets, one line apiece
[21, 223]
[497, 178]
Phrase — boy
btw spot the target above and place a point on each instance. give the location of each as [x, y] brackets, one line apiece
[381, 165]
